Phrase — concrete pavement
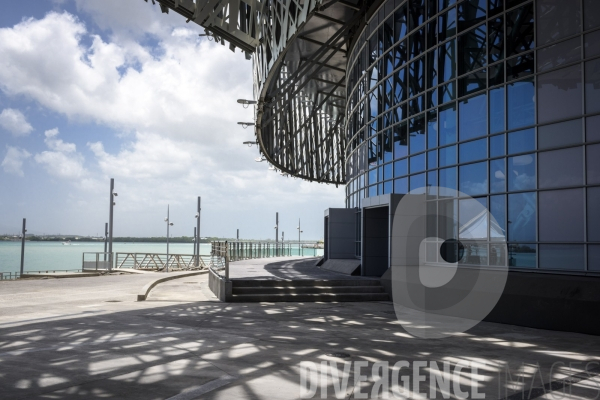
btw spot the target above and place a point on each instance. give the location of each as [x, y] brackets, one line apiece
[88, 338]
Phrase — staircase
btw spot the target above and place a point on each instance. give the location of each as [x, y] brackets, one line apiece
[248, 291]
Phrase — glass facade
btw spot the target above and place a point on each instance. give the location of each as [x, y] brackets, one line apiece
[497, 99]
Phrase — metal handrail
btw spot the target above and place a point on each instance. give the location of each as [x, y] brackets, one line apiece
[219, 258]
[158, 261]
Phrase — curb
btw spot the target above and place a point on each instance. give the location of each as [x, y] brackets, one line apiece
[143, 294]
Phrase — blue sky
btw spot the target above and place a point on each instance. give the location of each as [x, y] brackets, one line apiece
[94, 89]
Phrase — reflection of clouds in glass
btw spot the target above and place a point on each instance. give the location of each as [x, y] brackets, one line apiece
[470, 187]
[522, 160]
[523, 181]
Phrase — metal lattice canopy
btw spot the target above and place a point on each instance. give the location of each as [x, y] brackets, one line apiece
[299, 53]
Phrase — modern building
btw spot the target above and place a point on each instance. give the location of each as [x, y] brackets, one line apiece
[498, 99]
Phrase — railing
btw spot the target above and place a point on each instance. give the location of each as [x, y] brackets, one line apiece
[101, 261]
[8, 276]
[244, 250]
[159, 261]
[219, 259]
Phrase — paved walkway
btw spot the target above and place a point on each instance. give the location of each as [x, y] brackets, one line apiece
[87, 338]
[288, 268]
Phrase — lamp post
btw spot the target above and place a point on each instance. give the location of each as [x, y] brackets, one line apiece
[276, 233]
[300, 249]
[110, 220]
[197, 245]
[23, 246]
[105, 238]
[169, 224]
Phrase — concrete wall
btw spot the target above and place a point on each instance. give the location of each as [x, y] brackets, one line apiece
[219, 286]
[340, 233]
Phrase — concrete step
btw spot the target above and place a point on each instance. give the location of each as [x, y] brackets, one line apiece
[238, 283]
[325, 297]
[306, 289]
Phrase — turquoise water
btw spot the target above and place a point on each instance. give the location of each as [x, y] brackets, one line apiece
[46, 256]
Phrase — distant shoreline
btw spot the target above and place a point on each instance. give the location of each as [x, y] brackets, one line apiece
[180, 239]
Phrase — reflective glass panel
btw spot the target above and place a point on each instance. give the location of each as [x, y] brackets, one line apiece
[496, 39]
[447, 25]
[561, 215]
[498, 176]
[416, 13]
[593, 214]
[432, 181]
[417, 163]
[472, 151]
[521, 141]
[447, 92]
[496, 74]
[498, 212]
[416, 43]
[562, 256]
[432, 129]
[519, 28]
[470, 13]
[591, 44]
[473, 117]
[432, 159]
[416, 77]
[561, 134]
[472, 83]
[594, 257]
[472, 50]
[447, 125]
[400, 141]
[471, 223]
[447, 64]
[388, 147]
[557, 19]
[592, 86]
[447, 156]
[592, 129]
[520, 66]
[521, 104]
[400, 23]
[388, 171]
[401, 186]
[591, 12]
[522, 255]
[401, 168]
[521, 172]
[522, 214]
[447, 177]
[432, 60]
[559, 94]
[473, 179]
[495, 7]
[416, 130]
[417, 182]
[388, 187]
[560, 168]
[448, 227]
[497, 110]
[497, 146]
[593, 165]
[561, 53]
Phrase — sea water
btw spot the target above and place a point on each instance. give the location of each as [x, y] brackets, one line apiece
[54, 256]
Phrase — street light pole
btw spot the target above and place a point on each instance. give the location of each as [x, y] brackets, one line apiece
[105, 238]
[277, 233]
[169, 223]
[110, 220]
[197, 245]
[300, 249]
[23, 246]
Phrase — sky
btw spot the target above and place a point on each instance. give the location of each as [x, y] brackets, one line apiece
[98, 89]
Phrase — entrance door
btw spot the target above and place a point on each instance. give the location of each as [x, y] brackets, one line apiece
[375, 257]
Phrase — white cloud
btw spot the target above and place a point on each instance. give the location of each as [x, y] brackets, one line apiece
[13, 161]
[63, 160]
[172, 102]
[15, 122]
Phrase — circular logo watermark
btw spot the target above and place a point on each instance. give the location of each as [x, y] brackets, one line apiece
[448, 260]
